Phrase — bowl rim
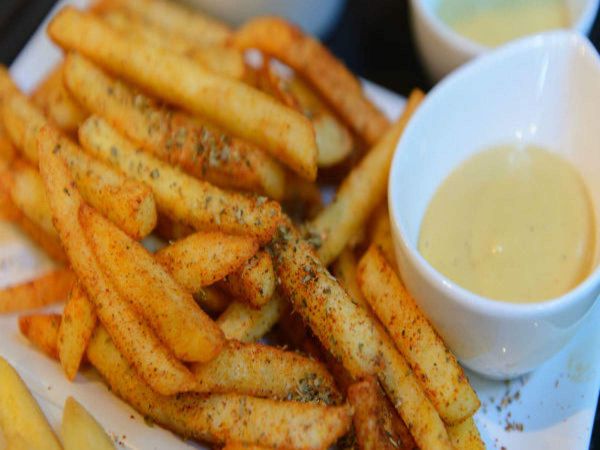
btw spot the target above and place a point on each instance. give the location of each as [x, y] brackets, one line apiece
[464, 297]
[583, 25]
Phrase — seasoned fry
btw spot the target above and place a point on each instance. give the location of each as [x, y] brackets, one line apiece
[212, 300]
[436, 368]
[225, 417]
[127, 203]
[8, 152]
[238, 108]
[236, 446]
[344, 269]
[52, 287]
[42, 331]
[362, 190]
[167, 307]
[195, 146]
[56, 102]
[244, 323]
[21, 419]
[170, 230]
[314, 62]
[180, 196]
[254, 283]
[263, 371]
[81, 431]
[380, 234]
[465, 436]
[352, 335]
[205, 257]
[78, 323]
[152, 361]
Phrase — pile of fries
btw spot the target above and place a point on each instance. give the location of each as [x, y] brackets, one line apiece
[161, 120]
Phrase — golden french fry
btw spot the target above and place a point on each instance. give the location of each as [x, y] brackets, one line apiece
[198, 148]
[78, 323]
[254, 283]
[302, 199]
[171, 230]
[314, 62]
[178, 195]
[344, 269]
[56, 102]
[236, 446]
[165, 305]
[21, 419]
[223, 417]
[380, 234]
[153, 362]
[362, 190]
[219, 59]
[238, 108]
[126, 202]
[263, 371]
[81, 431]
[205, 257]
[42, 331]
[52, 287]
[436, 368]
[8, 152]
[244, 323]
[212, 300]
[465, 436]
[352, 335]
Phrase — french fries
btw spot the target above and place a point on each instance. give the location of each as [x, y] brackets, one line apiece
[442, 379]
[153, 362]
[21, 420]
[380, 234]
[254, 116]
[354, 202]
[254, 283]
[203, 258]
[344, 269]
[314, 62]
[264, 371]
[222, 418]
[465, 436]
[42, 331]
[78, 323]
[195, 146]
[52, 287]
[212, 300]
[81, 431]
[179, 196]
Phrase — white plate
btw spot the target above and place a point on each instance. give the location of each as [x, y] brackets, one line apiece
[553, 408]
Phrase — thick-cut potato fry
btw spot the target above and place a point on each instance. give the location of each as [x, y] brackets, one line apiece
[344, 270]
[302, 199]
[436, 368]
[178, 195]
[174, 19]
[78, 323]
[81, 431]
[52, 287]
[314, 62]
[352, 335]
[167, 307]
[153, 362]
[203, 258]
[263, 371]
[42, 331]
[359, 194]
[465, 436]
[380, 234]
[372, 420]
[247, 324]
[198, 148]
[127, 203]
[21, 419]
[238, 108]
[219, 59]
[57, 103]
[224, 417]
[254, 283]
[170, 230]
[8, 152]
[212, 300]
[236, 446]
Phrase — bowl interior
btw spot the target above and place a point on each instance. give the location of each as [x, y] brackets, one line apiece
[541, 90]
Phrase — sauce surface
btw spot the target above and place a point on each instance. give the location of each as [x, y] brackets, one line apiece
[511, 224]
[494, 22]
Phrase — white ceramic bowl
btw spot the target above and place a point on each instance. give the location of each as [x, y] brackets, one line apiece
[442, 49]
[543, 90]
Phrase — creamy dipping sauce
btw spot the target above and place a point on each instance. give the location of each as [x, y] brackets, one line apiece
[511, 224]
[494, 22]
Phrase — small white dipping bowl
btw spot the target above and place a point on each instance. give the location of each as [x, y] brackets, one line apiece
[543, 90]
[442, 49]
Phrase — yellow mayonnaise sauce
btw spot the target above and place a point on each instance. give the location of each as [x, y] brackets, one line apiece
[511, 224]
[494, 22]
